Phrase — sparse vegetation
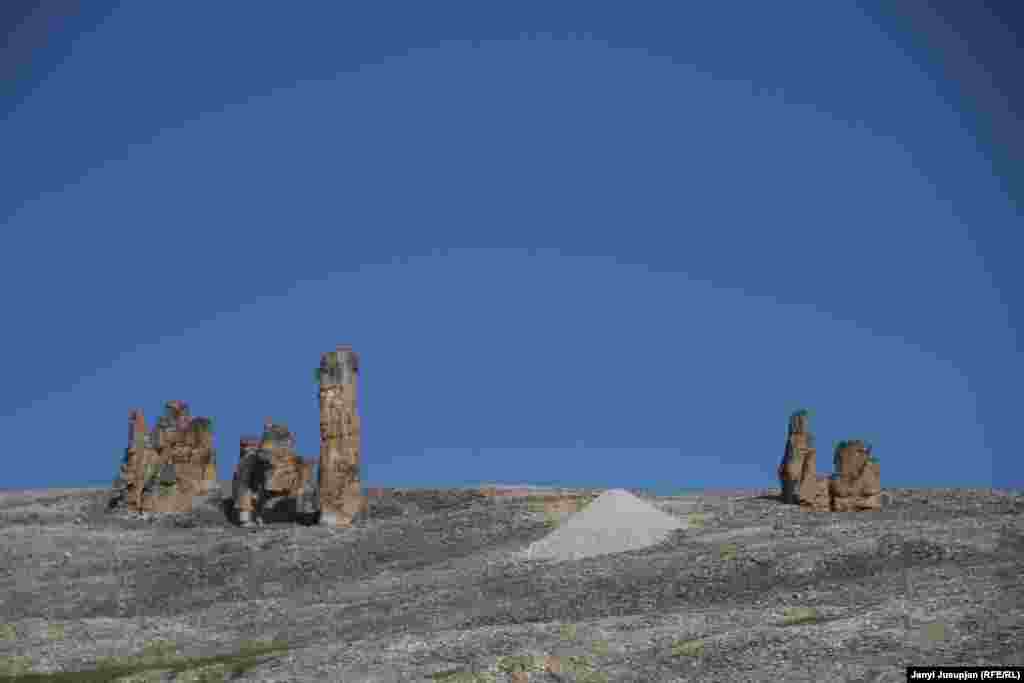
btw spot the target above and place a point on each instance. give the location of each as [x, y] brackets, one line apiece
[15, 666]
[524, 663]
[584, 670]
[156, 656]
[688, 648]
[933, 632]
[800, 615]
[462, 676]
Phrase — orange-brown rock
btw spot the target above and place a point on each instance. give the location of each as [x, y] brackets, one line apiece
[814, 493]
[798, 471]
[271, 481]
[341, 497]
[856, 483]
[168, 469]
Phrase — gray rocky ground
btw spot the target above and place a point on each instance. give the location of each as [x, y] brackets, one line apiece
[434, 587]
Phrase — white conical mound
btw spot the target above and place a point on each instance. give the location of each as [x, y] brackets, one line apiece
[614, 522]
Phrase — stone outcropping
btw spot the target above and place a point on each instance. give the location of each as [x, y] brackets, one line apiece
[271, 482]
[798, 472]
[855, 485]
[247, 480]
[169, 468]
[341, 498]
[857, 482]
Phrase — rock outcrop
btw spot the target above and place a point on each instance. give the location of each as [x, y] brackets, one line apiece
[855, 485]
[271, 482]
[247, 479]
[856, 482]
[798, 472]
[169, 468]
[814, 493]
[341, 498]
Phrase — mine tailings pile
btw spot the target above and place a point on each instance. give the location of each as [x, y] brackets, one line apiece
[854, 485]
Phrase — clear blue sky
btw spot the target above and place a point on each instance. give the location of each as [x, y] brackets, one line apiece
[572, 246]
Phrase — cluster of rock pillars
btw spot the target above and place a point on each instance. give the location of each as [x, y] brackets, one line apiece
[172, 467]
[855, 483]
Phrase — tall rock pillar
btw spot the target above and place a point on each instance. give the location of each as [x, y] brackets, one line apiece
[798, 472]
[341, 498]
[127, 489]
[798, 461]
[139, 455]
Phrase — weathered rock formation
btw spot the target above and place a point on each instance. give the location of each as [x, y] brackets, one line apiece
[169, 468]
[128, 485]
[814, 494]
[856, 482]
[798, 472]
[271, 481]
[341, 498]
[247, 479]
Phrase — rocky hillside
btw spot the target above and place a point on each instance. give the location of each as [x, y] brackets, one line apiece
[432, 586]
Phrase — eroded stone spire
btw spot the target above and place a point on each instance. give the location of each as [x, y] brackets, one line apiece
[341, 497]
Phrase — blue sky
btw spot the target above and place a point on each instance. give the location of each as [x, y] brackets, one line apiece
[581, 247]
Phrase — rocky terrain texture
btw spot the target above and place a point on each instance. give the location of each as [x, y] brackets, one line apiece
[433, 586]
